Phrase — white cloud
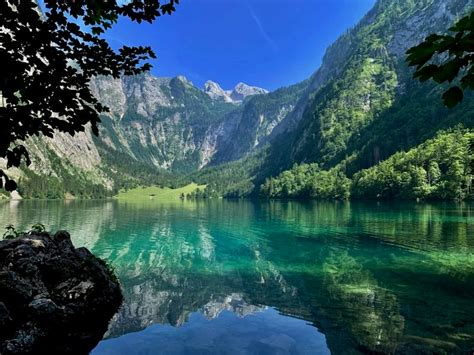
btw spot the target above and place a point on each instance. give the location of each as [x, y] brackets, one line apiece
[264, 33]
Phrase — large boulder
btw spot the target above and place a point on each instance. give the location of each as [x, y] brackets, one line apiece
[54, 298]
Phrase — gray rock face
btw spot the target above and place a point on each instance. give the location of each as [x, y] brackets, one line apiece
[53, 298]
[168, 123]
[242, 91]
[171, 124]
[440, 15]
[215, 92]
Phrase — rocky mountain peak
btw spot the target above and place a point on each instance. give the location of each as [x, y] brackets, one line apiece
[242, 90]
[215, 91]
[184, 80]
[236, 95]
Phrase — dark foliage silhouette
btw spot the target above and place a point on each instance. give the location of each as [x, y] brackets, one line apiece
[454, 55]
[48, 61]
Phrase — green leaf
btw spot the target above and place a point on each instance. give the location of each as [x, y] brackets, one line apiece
[468, 81]
[465, 24]
[421, 54]
[453, 96]
[448, 71]
[426, 72]
[10, 185]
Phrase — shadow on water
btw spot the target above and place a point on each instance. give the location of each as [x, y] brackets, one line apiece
[304, 277]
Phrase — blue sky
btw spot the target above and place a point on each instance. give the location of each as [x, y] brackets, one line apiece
[267, 43]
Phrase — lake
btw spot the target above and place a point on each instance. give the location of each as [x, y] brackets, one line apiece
[243, 277]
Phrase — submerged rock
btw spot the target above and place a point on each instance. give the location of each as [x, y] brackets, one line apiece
[54, 298]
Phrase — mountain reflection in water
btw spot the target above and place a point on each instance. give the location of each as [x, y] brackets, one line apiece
[278, 277]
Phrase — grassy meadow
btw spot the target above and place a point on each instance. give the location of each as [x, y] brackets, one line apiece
[164, 194]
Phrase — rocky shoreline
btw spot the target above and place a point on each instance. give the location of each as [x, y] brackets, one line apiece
[54, 298]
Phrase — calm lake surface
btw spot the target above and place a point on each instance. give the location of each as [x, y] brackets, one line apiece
[277, 277]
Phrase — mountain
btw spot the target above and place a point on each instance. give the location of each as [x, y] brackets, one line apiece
[359, 108]
[156, 127]
[362, 106]
[240, 92]
[371, 83]
[215, 92]
[170, 124]
[373, 108]
[166, 123]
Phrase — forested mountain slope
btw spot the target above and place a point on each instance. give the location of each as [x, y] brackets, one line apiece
[439, 169]
[375, 88]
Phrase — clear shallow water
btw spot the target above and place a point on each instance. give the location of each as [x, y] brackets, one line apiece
[277, 277]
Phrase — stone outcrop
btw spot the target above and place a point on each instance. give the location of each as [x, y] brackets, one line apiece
[54, 298]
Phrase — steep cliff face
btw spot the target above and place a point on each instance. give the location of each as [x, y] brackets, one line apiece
[166, 123]
[258, 121]
[242, 91]
[171, 124]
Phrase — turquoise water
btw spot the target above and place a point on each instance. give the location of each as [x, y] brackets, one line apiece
[277, 277]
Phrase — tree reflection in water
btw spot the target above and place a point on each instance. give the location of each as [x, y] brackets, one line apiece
[372, 277]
